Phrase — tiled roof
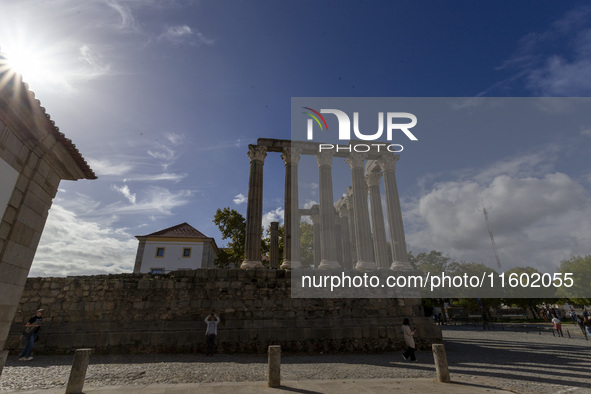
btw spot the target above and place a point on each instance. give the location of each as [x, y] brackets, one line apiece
[183, 230]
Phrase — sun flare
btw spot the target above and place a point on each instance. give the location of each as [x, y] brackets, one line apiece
[29, 64]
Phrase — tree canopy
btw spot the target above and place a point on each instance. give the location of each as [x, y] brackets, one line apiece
[580, 268]
[232, 226]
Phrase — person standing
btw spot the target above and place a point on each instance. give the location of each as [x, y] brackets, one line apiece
[409, 340]
[557, 325]
[587, 325]
[30, 334]
[212, 330]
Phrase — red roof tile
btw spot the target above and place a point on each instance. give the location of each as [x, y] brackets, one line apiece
[183, 230]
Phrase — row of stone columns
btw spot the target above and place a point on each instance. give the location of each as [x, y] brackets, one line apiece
[342, 233]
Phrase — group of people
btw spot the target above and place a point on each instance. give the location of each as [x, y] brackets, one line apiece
[583, 321]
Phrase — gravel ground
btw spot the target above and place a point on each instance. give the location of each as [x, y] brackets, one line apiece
[515, 361]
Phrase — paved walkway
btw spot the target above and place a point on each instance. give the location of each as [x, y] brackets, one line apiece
[340, 386]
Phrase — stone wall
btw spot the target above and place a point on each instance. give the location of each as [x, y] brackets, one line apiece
[133, 313]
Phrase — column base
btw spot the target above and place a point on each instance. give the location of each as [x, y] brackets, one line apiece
[287, 265]
[401, 266]
[246, 264]
[329, 265]
[366, 266]
[3, 355]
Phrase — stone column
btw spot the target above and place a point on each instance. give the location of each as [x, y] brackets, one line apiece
[377, 220]
[365, 260]
[291, 218]
[397, 239]
[352, 233]
[346, 244]
[254, 209]
[274, 247]
[338, 239]
[317, 239]
[327, 212]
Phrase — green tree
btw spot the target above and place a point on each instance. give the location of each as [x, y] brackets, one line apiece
[232, 226]
[579, 269]
[474, 269]
[522, 302]
[435, 263]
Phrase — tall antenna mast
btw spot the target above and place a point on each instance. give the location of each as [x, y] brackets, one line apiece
[492, 238]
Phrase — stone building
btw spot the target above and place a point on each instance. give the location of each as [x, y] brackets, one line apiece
[34, 157]
[174, 248]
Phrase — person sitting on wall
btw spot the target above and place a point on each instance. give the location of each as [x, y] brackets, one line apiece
[30, 334]
[212, 330]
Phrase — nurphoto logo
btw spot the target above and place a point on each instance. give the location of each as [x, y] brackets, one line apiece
[392, 120]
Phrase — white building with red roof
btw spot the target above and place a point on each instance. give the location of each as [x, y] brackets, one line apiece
[174, 248]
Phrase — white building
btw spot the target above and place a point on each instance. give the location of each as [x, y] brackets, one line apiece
[174, 248]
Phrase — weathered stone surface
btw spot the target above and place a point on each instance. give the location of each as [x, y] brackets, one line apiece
[133, 313]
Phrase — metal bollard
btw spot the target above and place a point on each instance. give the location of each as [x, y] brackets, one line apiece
[568, 332]
[274, 366]
[441, 363]
[78, 372]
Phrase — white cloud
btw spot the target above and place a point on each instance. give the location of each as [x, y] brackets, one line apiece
[239, 199]
[275, 215]
[93, 66]
[560, 77]
[537, 221]
[205, 40]
[165, 176]
[539, 162]
[127, 21]
[309, 203]
[166, 154]
[183, 34]
[175, 138]
[105, 167]
[84, 247]
[557, 61]
[126, 192]
[156, 200]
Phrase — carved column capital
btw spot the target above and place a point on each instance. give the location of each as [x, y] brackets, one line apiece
[257, 153]
[349, 202]
[291, 155]
[373, 179]
[324, 158]
[388, 162]
[356, 160]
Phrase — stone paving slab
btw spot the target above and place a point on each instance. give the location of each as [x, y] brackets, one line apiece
[337, 386]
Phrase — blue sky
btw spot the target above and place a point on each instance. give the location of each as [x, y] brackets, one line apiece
[163, 97]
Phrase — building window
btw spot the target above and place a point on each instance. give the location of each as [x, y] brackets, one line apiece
[159, 252]
[157, 270]
[187, 252]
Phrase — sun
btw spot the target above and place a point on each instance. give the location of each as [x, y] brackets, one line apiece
[42, 67]
[28, 63]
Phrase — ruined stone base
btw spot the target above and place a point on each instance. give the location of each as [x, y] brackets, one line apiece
[131, 313]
